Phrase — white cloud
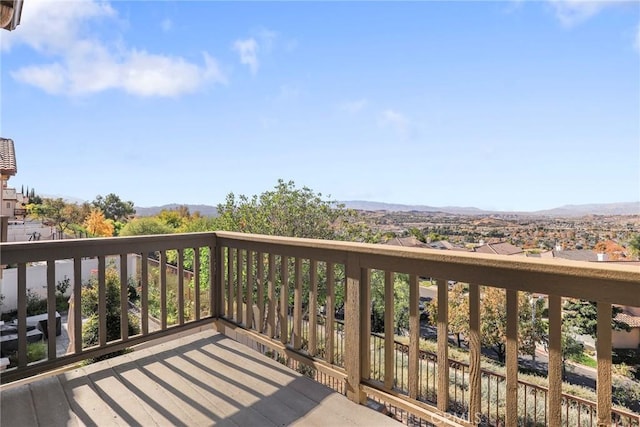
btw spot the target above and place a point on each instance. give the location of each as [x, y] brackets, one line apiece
[84, 63]
[573, 12]
[353, 107]
[248, 51]
[395, 120]
[166, 25]
[288, 92]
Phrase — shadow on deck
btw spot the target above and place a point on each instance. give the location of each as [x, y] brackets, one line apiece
[202, 379]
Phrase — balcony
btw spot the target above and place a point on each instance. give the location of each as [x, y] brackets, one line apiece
[217, 311]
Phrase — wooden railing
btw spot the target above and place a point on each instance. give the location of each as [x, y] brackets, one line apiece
[262, 290]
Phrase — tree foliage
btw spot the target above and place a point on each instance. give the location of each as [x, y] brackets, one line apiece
[89, 309]
[493, 322]
[96, 224]
[145, 226]
[584, 316]
[58, 213]
[634, 245]
[113, 207]
[291, 212]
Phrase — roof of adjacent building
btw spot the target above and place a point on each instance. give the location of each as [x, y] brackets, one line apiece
[503, 248]
[629, 319]
[409, 242]
[574, 255]
[7, 157]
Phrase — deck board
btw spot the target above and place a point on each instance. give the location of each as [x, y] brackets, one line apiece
[196, 380]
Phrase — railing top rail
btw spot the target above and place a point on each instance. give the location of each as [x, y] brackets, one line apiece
[16, 252]
[613, 283]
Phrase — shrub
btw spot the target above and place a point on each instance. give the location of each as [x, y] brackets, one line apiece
[35, 351]
[35, 304]
[89, 309]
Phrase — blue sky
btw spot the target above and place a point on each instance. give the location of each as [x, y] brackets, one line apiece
[512, 105]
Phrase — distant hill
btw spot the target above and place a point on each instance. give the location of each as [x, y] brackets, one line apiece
[391, 207]
[630, 208]
[205, 210]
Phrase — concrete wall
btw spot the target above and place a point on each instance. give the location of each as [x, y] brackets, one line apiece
[37, 277]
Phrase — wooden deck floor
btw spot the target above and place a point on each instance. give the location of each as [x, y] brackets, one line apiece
[198, 380]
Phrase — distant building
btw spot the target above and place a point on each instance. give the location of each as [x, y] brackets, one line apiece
[573, 255]
[12, 203]
[502, 248]
[631, 339]
[408, 242]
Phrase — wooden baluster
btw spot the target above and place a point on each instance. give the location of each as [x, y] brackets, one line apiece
[603, 349]
[443, 345]
[554, 396]
[414, 336]
[475, 387]
[511, 415]
[389, 328]
[313, 306]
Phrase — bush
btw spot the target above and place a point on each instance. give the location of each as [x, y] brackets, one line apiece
[89, 309]
[35, 304]
[35, 351]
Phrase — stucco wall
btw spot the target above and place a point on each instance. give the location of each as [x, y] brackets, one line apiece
[37, 278]
[624, 339]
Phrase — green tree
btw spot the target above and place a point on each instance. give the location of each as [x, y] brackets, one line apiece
[493, 322]
[145, 226]
[571, 348]
[113, 207]
[458, 312]
[634, 245]
[57, 213]
[584, 315]
[400, 303]
[291, 212]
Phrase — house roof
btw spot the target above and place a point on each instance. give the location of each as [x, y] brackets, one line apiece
[8, 165]
[629, 319]
[575, 255]
[503, 248]
[409, 242]
[10, 14]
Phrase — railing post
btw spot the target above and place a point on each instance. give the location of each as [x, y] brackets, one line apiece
[216, 279]
[102, 301]
[414, 337]
[443, 345]
[511, 417]
[51, 309]
[297, 304]
[475, 383]
[313, 306]
[331, 311]
[554, 397]
[389, 329]
[196, 282]
[365, 323]
[284, 300]
[353, 326]
[124, 298]
[603, 349]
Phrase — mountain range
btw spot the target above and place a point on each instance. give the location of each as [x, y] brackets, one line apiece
[629, 208]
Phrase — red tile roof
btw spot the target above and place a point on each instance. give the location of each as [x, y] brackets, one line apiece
[7, 157]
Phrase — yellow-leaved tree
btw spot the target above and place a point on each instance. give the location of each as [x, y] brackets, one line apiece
[97, 225]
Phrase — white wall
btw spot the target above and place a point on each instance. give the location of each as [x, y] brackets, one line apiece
[624, 339]
[37, 277]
